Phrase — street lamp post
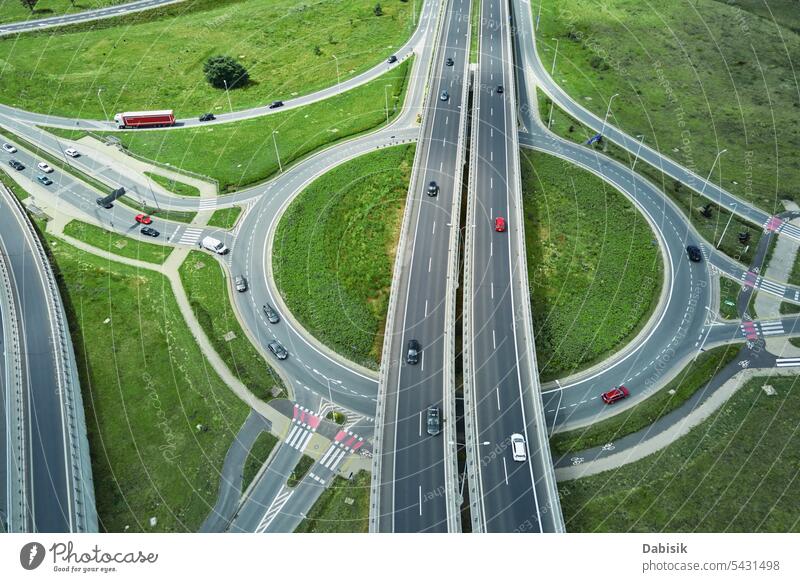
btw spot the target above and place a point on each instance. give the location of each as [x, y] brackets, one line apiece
[277, 155]
[608, 110]
[336, 60]
[105, 113]
[227, 94]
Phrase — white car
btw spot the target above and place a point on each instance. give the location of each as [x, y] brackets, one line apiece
[44, 167]
[72, 152]
[9, 148]
[518, 447]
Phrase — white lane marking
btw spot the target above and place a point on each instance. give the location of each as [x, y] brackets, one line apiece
[497, 392]
[429, 263]
[420, 499]
[505, 469]
[494, 342]
[491, 287]
[420, 423]
[426, 306]
[422, 362]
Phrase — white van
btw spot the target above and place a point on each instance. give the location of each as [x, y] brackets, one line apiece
[215, 246]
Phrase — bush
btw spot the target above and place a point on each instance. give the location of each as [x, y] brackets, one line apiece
[221, 70]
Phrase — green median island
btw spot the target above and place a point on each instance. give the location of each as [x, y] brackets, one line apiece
[334, 251]
[734, 472]
[258, 455]
[287, 48]
[247, 152]
[159, 419]
[690, 82]
[342, 508]
[124, 246]
[594, 265]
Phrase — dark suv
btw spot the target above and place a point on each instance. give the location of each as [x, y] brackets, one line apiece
[272, 315]
[433, 188]
[694, 254]
[412, 357]
[279, 351]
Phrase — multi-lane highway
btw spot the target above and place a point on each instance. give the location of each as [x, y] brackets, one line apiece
[415, 487]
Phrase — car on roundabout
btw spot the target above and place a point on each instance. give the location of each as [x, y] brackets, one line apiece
[694, 253]
[272, 315]
[143, 219]
[147, 231]
[276, 348]
[615, 394]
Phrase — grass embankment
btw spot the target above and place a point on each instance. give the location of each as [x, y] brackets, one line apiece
[146, 388]
[184, 216]
[117, 244]
[719, 224]
[13, 186]
[207, 289]
[243, 153]
[300, 470]
[693, 81]
[225, 217]
[334, 251]
[735, 472]
[174, 186]
[15, 11]
[595, 271]
[691, 379]
[287, 48]
[475, 23]
[728, 294]
[342, 508]
[258, 455]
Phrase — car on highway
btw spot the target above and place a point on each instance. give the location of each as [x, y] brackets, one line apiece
[615, 394]
[9, 148]
[276, 104]
[272, 315]
[433, 421]
[240, 283]
[444, 96]
[412, 355]
[207, 117]
[499, 89]
[500, 224]
[72, 152]
[392, 59]
[518, 447]
[44, 180]
[148, 231]
[143, 219]
[694, 254]
[449, 62]
[45, 167]
[433, 188]
[279, 351]
[102, 202]
[17, 165]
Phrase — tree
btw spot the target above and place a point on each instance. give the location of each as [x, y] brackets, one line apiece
[29, 4]
[378, 10]
[221, 70]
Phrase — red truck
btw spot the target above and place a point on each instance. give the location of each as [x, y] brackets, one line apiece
[145, 119]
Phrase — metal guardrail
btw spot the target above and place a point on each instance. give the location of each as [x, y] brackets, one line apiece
[380, 413]
[17, 510]
[84, 512]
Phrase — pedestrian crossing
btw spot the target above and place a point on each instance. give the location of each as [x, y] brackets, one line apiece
[752, 330]
[771, 327]
[190, 236]
[275, 508]
[208, 204]
[787, 362]
[304, 424]
[754, 280]
[332, 457]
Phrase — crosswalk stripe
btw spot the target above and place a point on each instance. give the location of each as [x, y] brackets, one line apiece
[309, 434]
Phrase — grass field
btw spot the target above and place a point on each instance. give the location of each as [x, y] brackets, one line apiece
[788, 308]
[225, 217]
[207, 289]
[243, 153]
[13, 186]
[728, 293]
[117, 244]
[174, 186]
[342, 508]
[475, 20]
[258, 455]
[14, 11]
[146, 388]
[710, 228]
[286, 46]
[300, 470]
[335, 248]
[693, 78]
[775, 12]
[736, 472]
[691, 379]
[595, 270]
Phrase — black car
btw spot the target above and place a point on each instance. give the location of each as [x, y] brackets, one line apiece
[449, 62]
[207, 117]
[102, 202]
[17, 165]
[694, 254]
[149, 231]
[279, 351]
[392, 59]
[444, 96]
[499, 89]
[434, 422]
[412, 357]
[272, 315]
[433, 188]
[276, 104]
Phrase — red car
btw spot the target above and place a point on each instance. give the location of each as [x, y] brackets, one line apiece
[500, 224]
[615, 394]
[143, 219]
